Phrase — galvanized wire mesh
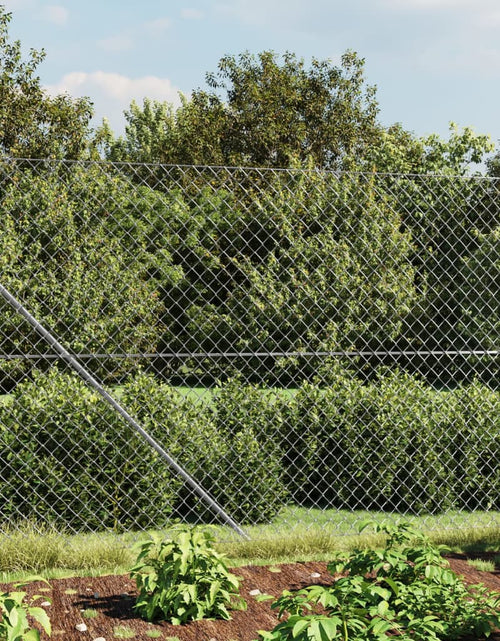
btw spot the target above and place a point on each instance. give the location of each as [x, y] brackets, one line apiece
[297, 341]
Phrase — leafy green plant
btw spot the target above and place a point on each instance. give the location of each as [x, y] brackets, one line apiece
[14, 610]
[248, 479]
[405, 589]
[184, 579]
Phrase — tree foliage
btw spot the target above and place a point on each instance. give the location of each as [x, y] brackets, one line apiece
[261, 111]
[32, 123]
[62, 253]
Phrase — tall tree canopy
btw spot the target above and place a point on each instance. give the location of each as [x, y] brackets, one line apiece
[32, 123]
[262, 111]
[270, 111]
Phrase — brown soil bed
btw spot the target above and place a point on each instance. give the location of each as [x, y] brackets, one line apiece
[112, 598]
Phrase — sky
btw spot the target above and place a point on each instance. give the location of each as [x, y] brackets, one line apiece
[433, 61]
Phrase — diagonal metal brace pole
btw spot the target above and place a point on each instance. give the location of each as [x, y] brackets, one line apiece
[87, 376]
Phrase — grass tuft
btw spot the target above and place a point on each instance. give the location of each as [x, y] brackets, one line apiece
[482, 565]
[123, 632]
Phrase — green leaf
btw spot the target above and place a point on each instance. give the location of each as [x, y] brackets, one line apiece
[299, 627]
[328, 629]
[322, 630]
[40, 615]
[392, 584]
[32, 635]
[382, 608]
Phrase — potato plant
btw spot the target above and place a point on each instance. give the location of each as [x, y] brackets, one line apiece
[14, 612]
[184, 579]
[405, 590]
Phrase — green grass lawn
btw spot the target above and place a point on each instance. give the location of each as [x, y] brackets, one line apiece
[297, 534]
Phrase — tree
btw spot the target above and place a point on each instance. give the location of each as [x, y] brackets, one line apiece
[261, 111]
[32, 123]
[444, 206]
[478, 299]
[401, 151]
[75, 248]
[149, 133]
[325, 268]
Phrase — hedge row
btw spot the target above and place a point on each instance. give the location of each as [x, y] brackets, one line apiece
[393, 444]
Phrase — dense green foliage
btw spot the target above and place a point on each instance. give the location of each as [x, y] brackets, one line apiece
[65, 256]
[372, 241]
[260, 111]
[136, 259]
[405, 589]
[395, 443]
[306, 262]
[32, 123]
[183, 579]
[67, 456]
[392, 444]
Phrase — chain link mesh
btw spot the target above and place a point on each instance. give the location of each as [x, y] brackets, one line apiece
[300, 342]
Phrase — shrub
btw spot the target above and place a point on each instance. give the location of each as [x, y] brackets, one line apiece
[474, 447]
[250, 480]
[67, 457]
[186, 430]
[14, 613]
[405, 590]
[394, 443]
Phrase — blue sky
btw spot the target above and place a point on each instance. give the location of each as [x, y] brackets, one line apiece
[433, 61]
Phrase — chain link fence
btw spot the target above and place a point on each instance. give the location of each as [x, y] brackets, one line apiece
[245, 346]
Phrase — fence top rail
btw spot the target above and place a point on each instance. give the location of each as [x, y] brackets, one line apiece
[181, 355]
[473, 176]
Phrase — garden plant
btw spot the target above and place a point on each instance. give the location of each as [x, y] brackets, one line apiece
[405, 590]
[184, 579]
[14, 612]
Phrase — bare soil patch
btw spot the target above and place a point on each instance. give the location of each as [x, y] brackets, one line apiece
[110, 600]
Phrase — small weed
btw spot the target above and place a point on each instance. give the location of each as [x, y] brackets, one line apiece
[482, 565]
[155, 634]
[123, 632]
[274, 569]
[90, 613]
[70, 591]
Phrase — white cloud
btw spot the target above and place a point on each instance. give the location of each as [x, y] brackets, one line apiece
[115, 85]
[157, 27]
[191, 14]
[115, 44]
[112, 93]
[56, 14]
